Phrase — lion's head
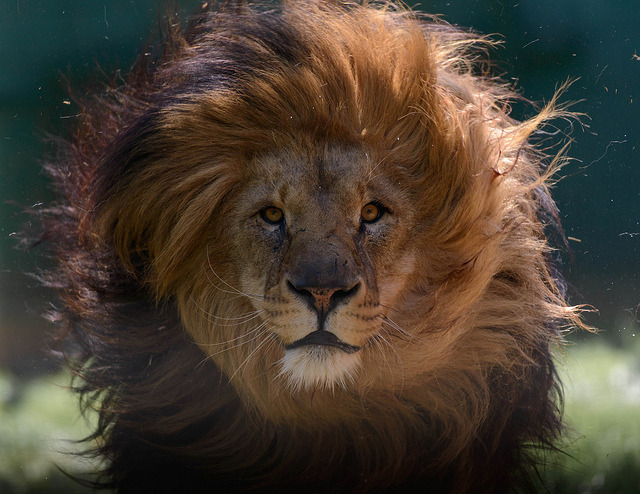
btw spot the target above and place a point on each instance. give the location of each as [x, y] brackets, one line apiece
[324, 214]
[321, 247]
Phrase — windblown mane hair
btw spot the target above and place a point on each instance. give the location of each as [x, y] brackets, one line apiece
[146, 189]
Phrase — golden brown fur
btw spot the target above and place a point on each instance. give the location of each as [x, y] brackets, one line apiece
[180, 293]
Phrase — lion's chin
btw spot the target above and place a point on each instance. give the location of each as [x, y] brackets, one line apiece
[316, 366]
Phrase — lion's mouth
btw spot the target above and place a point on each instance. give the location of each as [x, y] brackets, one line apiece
[323, 338]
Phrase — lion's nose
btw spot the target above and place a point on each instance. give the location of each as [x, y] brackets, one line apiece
[323, 300]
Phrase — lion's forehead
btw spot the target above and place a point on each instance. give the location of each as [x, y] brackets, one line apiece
[328, 176]
[324, 168]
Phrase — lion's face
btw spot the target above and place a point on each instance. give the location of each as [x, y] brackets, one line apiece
[322, 256]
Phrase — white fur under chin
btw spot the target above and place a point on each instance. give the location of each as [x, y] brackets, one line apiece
[314, 366]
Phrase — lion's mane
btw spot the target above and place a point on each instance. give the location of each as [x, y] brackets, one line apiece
[146, 187]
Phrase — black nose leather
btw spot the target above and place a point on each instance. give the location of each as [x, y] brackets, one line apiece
[325, 299]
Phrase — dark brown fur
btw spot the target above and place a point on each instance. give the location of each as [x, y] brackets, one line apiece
[137, 206]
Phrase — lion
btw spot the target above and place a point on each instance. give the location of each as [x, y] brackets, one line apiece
[305, 246]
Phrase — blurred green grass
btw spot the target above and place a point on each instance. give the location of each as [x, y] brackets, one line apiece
[39, 422]
[602, 391]
[39, 429]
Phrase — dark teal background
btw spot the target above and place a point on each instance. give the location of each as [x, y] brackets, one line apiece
[47, 46]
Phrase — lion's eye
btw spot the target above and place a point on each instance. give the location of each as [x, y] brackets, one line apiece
[272, 215]
[371, 213]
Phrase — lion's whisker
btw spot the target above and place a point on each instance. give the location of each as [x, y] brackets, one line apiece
[273, 343]
[262, 343]
[258, 329]
[238, 323]
[235, 290]
[235, 295]
[377, 341]
[403, 332]
[390, 308]
[242, 319]
[209, 356]
[397, 355]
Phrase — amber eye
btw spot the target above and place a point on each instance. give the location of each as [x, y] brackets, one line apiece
[272, 215]
[371, 212]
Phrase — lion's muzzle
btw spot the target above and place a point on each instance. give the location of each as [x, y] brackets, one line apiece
[323, 300]
[323, 273]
